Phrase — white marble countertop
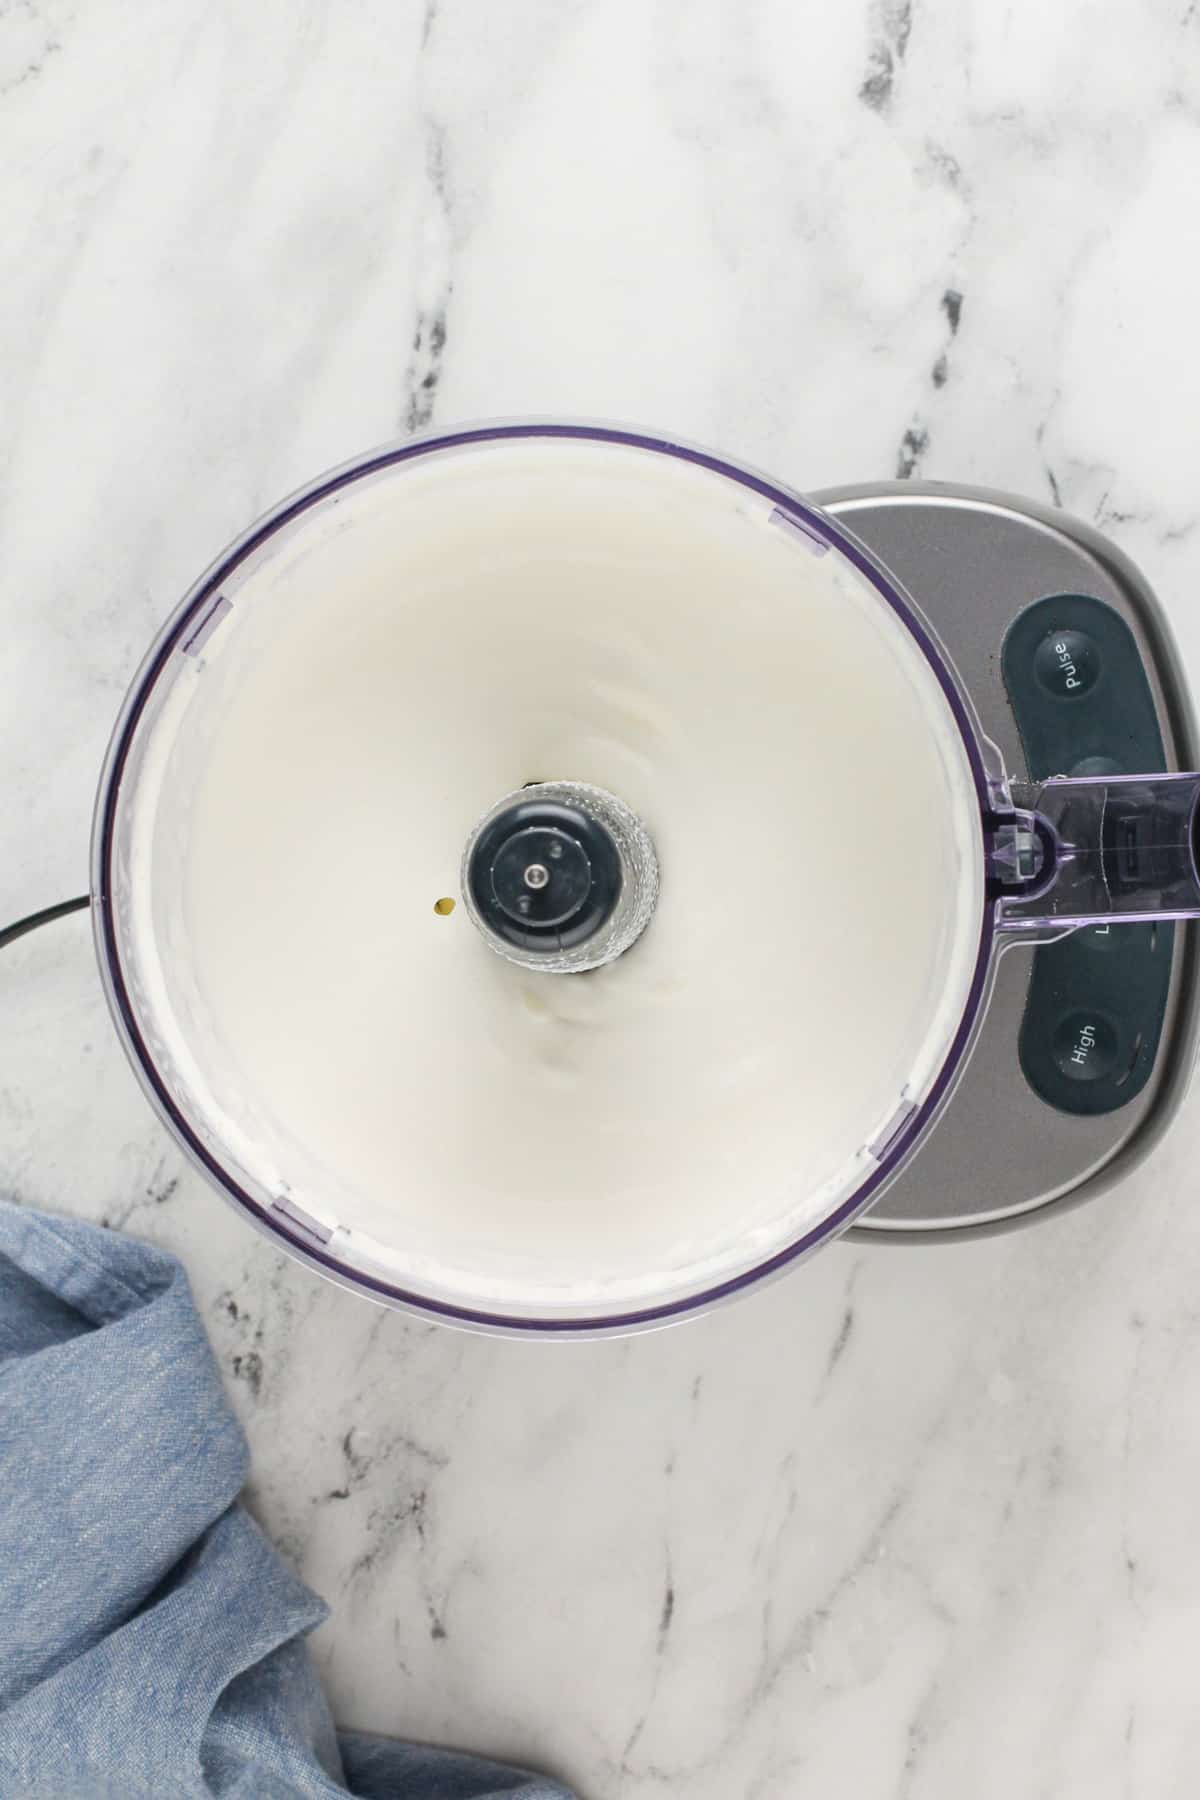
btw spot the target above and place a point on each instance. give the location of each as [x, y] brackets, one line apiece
[911, 1524]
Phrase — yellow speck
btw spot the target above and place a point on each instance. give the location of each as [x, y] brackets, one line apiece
[444, 907]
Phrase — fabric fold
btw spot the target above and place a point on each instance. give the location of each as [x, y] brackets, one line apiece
[151, 1640]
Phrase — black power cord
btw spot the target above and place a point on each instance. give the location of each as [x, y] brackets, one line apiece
[11, 933]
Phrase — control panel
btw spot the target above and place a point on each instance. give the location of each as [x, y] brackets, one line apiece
[1097, 1000]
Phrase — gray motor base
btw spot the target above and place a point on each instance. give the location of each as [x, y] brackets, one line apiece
[974, 560]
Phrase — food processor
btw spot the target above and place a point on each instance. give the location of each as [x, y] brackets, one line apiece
[552, 877]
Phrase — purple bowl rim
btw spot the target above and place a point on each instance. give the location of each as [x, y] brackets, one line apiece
[175, 630]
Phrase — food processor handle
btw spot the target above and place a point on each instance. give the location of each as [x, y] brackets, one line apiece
[1074, 851]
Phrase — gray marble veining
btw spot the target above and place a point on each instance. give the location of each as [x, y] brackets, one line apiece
[909, 1525]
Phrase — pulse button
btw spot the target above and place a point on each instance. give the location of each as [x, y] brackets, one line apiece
[1066, 663]
[1085, 1047]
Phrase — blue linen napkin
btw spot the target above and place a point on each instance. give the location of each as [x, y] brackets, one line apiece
[151, 1641]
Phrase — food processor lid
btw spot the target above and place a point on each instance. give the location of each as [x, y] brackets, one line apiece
[435, 627]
